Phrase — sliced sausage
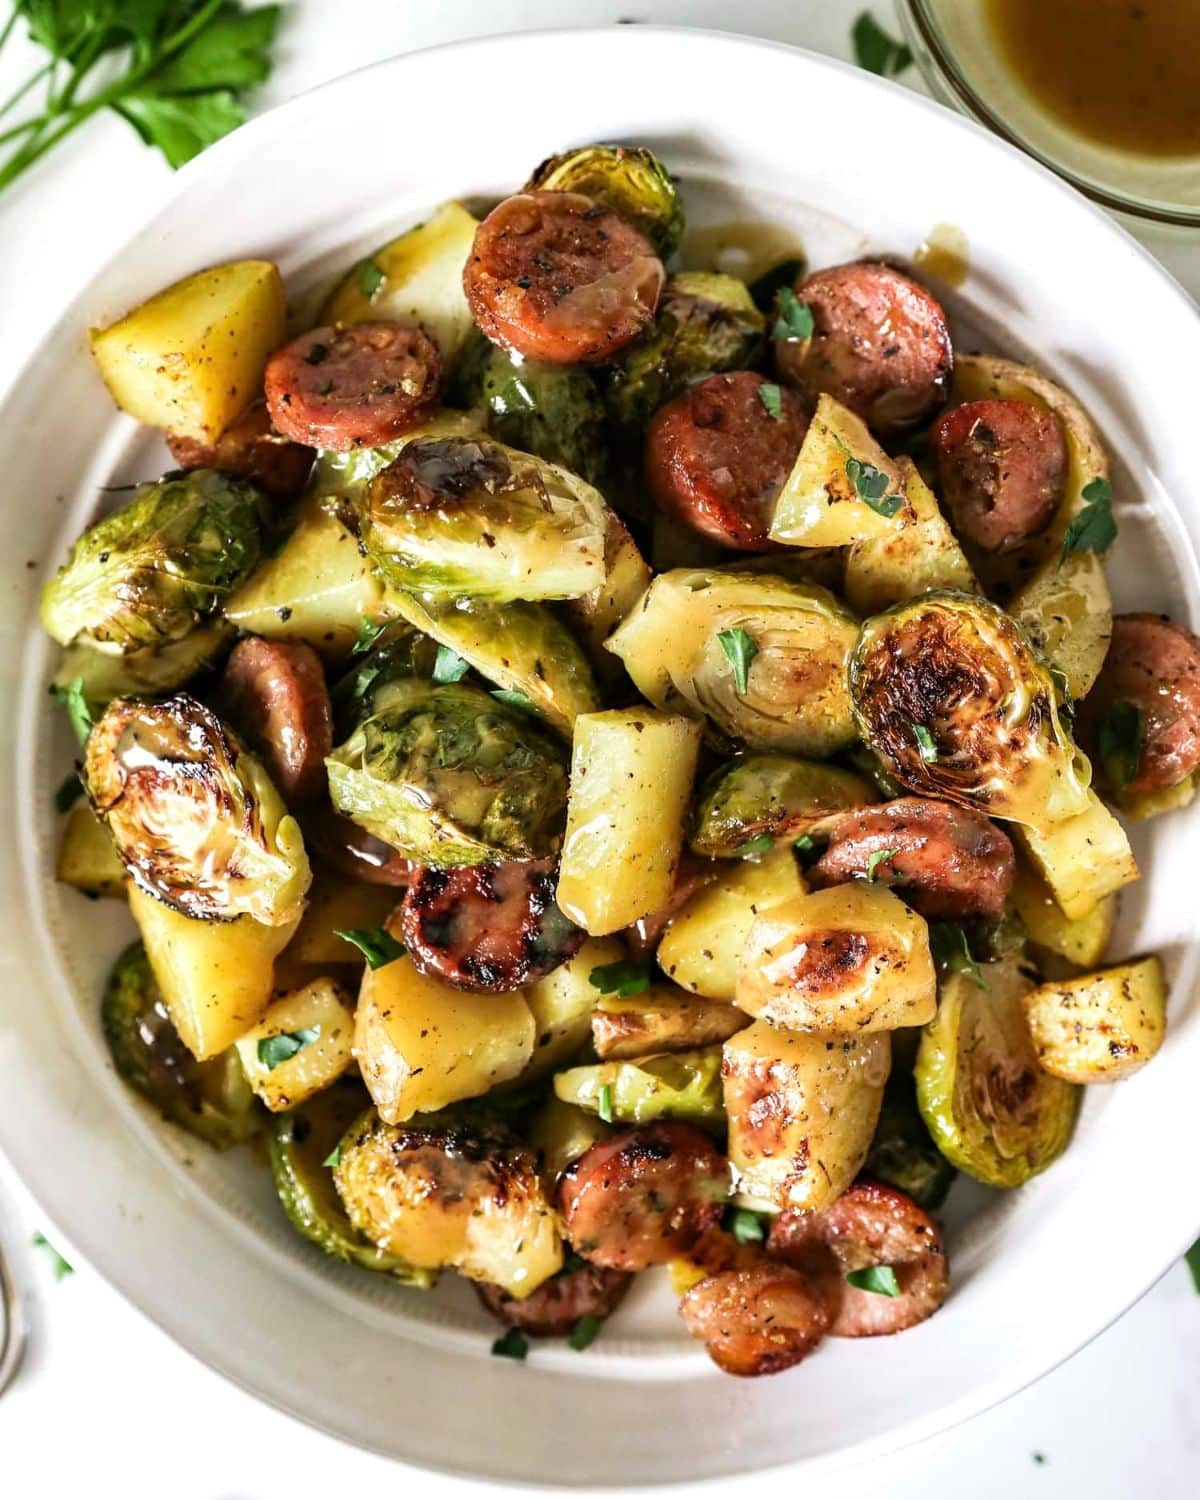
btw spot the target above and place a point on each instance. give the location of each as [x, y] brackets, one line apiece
[275, 695]
[1154, 664]
[757, 1321]
[251, 448]
[343, 388]
[556, 277]
[644, 1196]
[946, 862]
[350, 850]
[553, 1310]
[692, 874]
[870, 1225]
[717, 456]
[1002, 467]
[880, 346]
[490, 927]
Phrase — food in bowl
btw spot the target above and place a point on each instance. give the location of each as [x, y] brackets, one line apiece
[560, 914]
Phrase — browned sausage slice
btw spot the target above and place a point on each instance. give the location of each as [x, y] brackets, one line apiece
[1002, 467]
[758, 1321]
[351, 851]
[490, 927]
[275, 695]
[880, 345]
[946, 862]
[1153, 663]
[251, 448]
[343, 388]
[644, 1196]
[558, 1304]
[717, 456]
[869, 1225]
[558, 278]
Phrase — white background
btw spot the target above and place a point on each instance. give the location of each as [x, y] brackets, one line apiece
[105, 1405]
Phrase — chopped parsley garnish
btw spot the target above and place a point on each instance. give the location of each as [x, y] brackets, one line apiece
[273, 1050]
[69, 791]
[781, 277]
[369, 276]
[604, 1105]
[761, 843]
[585, 1330]
[795, 320]
[625, 978]
[1120, 740]
[740, 650]
[376, 944]
[875, 50]
[334, 1156]
[950, 949]
[805, 844]
[514, 699]
[870, 485]
[511, 1345]
[369, 632]
[450, 667]
[60, 1267]
[878, 1279]
[880, 856]
[1192, 1260]
[1094, 529]
[746, 1226]
[926, 744]
[772, 399]
[72, 699]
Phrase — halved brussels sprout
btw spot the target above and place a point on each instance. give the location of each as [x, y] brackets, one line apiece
[451, 516]
[400, 652]
[950, 695]
[448, 775]
[303, 1142]
[553, 411]
[777, 797]
[902, 1152]
[990, 1108]
[661, 1019]
[705, 323]
[195, 817]
[521, 647]
[211, 1099]
[148, 672]
[339, 479]
[147, 574]
[667, 1086]
[628, 180]
[763, 658]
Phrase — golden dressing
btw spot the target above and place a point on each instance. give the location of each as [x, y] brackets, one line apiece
[742, 248]
[1123, 73]
[944, 253]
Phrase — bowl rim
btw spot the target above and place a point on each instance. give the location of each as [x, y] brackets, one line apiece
[152, 1303]
[940, 67]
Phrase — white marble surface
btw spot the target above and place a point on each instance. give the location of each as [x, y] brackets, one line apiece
[105, 1404]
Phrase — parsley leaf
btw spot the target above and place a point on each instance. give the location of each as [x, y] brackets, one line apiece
[604, 1105]
[795, 320]
[745, 1226]
[369, 632]
[273, 1050]
[450, 667]
[59, 1265]
[740, 650]
[714, 1191]
[878, 1279]
[1120, 740]
[805, 844]
[334, 1157]
[870, 484]
[80, 714]
[772, 399]
[926, 744]
[880, 856]
[772, 284]
[368, 274]
[1192, 1259]
[70, 789]
[585, 1330]
[950, 949]
[875, 50]
[514, 699]
[376, 944]
[761, 843]
[1094, 529]
[625, 978]
[511, 1345]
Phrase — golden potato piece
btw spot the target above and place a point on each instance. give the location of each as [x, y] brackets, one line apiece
[663, 1019]
[300, 1046]
[1099, 1027]
[1082, 859]
[87, 856]
[562, 1003]
[1080, 940]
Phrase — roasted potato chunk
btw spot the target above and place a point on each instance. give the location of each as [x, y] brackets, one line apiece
[662, 1019]
[1099, 1027]
[300, 1046]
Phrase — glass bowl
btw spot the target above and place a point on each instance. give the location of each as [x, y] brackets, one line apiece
[954, 46]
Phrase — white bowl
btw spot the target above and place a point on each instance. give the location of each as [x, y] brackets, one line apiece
[196, 1241]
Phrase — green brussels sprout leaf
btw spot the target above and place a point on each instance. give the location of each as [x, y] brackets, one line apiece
[666, 1085]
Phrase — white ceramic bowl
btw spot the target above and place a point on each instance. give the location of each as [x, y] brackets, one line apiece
[196, 1241]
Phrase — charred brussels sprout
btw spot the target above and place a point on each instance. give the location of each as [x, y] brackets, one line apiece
[628, 180]
[763, 658]
[552, 411]
[950, 695]
[449, 776]
[773, 798]
[452, 516]
[195, 818]
[147, 574]
[667, 1086]
[989, 1107]
[706, 322]
[302, 1143]
[212, 1099]
[902, 1152]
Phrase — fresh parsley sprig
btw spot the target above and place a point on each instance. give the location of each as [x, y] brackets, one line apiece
[1094, 529]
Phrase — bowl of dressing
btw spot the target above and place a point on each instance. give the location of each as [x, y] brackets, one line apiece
[1105, 92]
